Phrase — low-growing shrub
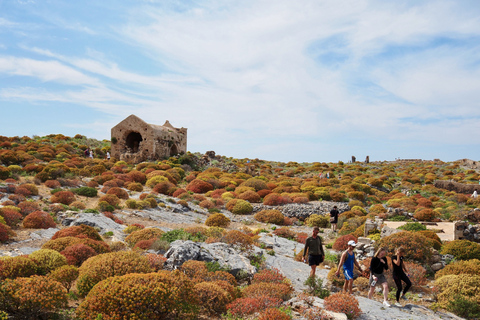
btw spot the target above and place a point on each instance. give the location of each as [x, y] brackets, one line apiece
[243, 307]
[198, 186]
[39, 220]
[343, 303]
[462, 249]
[61, 244]
[269, 275]
[341, 243]
[27, 207]
[160, 295]
[75, 231]
[460, 267]
[213, 298]
[11, 216]
[85, 191]
[15, 267]
[451, 286]
[274, 290]
[276, 199]
[64, 197]
[111, 199]
[5, 232]
[156, 261]
[412, 226]
[318, 220]
[285, 232]
[103, 266]
[66, 275]
[270, 216]
[47, 260]
[32, 298]
[417, 247]
[217, 220]
[77, 254]
[425, 214]
[273, 314]
[143, 234]
[78, 205]
[238, 206]
[238, 239]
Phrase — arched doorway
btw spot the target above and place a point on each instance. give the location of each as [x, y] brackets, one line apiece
[173, 150]
[133, 141]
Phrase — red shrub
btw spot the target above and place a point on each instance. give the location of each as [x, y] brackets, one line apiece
[264, 193]
[77, 254]
[119, 192]
[52, 184]
[274, 290]
[5, 232]
[273, 314]
[250, 196]
[246, 306]
[178, 192]
[64, 197]
[343, 303]
[145, 244]
[425, 215]
[199, 186]
[11, 216]
[39, 220]
[137, 176]
[275, 199]
[164, 187]
[270, 276]
[341, 242]
[285, 232]
[111, 199]
[27, 207]
[302, 237]
[75, 231]
[22, 191]
[156, 261]
[300, 200]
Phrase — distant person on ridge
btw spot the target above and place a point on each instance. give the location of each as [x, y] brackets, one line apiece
[400, 274]
[334, 218]
[314, 246]
[377, 265]
[348, 261]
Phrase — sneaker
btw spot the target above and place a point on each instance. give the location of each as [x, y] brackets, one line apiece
[386, 304]
[398, 305]
[403, 297]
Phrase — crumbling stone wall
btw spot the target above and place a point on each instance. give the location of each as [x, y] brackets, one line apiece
[134, 140]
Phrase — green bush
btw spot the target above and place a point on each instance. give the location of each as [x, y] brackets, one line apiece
[85, 191]
[462, 249]
[48, 260]
[180, 234]
[161, 295]
[318, 220]
[412, 226]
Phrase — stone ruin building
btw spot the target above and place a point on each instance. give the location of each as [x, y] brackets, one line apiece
[134, 140]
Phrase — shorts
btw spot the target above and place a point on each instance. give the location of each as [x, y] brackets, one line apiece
[315, 260]
[348, 274]
[380, 278]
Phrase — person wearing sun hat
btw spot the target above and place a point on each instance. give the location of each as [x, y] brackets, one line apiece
[348, 261]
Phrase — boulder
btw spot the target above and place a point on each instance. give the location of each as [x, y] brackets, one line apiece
[97, 221]
[281, 246]
[387, 231]
[437, 266]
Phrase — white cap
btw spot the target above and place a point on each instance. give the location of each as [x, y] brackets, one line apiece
[352, 243]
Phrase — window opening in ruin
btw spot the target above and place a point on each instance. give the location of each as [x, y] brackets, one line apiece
[133, 141]
[173, 150]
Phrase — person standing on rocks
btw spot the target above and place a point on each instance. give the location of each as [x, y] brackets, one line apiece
[348, 261]
[314, 247]
[377, 266]
[400, 274]
[474, 194]
[334, 218]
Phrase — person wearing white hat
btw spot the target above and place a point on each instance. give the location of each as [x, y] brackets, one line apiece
[348, 261]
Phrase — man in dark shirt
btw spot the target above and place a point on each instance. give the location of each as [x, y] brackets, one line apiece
[334, 218]
[314, 247]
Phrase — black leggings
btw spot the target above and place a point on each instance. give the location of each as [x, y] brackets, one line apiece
[398, 281]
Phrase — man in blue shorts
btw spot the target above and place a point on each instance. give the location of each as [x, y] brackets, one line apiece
[348, 261]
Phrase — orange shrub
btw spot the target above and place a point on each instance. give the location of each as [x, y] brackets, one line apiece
[156, 261]
[250, 196]
[217, 220]
[61, 244]
[64, 197]
[66, 275]
[270, 276]
[164, 187]
[274, 290]
[195, 270]
[285, 232]
[161, 295]
[417, 273]
[430, 234]
[270, 216]
[417, 247]
[213, 298]
[178, 192]
[27, 207]
[143, 234]
[14, 267]
[103, 266]
[75, 231]
[39, 220]
[5, 232]
[111, 199]
[207, 204]
[425, 214]
[343, 303]
[137, 176]
[32, 298]
[341, 243]
[239, 239]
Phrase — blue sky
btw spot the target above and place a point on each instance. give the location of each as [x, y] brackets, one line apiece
[282, 80]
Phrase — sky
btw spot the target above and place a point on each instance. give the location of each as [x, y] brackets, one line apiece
[278, 80]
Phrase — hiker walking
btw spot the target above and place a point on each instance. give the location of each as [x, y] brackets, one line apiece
[348, 261]
[377, 266]
[334, 218]
[400, 274]
[314, 246]
[474, 194]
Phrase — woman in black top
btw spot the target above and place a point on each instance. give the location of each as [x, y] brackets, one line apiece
[377, 265]
[400, 274]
